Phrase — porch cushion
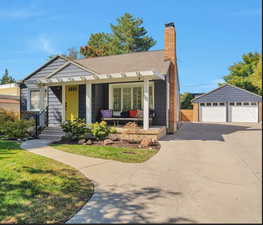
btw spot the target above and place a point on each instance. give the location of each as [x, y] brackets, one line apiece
[106, 113]
[116, 114]
[124, 114]
[139, 113]
[133, 113]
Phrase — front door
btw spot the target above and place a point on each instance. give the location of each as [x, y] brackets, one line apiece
[72, 102]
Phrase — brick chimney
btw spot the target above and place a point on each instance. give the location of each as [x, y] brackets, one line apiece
[170, 54]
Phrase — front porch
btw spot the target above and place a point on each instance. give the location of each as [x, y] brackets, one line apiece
[87, 100]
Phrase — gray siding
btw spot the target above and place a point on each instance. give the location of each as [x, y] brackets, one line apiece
[229, 93]
[54, 105]
[23, 98]
[82, 101]
[24, 95]
[160, 102]
[100, 93]
[70, 71]
[47, 69]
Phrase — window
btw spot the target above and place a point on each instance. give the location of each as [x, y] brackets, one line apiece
[239, 103]
[202, 104]
[208, 104]
[126, 98]
[231, 103]
[129, 96]
[137, 98]
[246, 103]
[215, 104]
[151, 97]
[253, 103]
[117, 99]
[34, 99]
[222, 104]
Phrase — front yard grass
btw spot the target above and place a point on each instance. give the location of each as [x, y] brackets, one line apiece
[35, 189]
[108, 152]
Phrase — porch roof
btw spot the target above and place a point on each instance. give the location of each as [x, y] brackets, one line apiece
[110, 77]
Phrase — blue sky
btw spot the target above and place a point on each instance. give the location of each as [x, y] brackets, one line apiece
[211, 35]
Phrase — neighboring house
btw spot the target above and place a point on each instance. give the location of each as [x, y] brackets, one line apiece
[9, 98]
[81, 88]
[9, 89]
[228, 104]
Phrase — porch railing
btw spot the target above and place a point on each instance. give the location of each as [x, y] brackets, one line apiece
[40, 119]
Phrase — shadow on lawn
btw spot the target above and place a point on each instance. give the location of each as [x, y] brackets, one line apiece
[34, 201]
[129, 207]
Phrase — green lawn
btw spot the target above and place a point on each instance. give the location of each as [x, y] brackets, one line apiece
[35, 189]
[108, 152]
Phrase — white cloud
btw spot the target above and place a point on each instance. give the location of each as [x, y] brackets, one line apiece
[42, 43]
[45, 45]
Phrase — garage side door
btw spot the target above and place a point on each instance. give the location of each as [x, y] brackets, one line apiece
[243, 112]
[213, 112]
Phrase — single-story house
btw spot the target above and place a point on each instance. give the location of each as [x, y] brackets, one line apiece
[66, 89]
[228, 104]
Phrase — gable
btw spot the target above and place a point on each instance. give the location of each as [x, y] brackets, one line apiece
[71, 70]
[228, 93]
[46, 69]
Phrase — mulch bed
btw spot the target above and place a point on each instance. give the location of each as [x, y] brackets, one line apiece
[117, 143]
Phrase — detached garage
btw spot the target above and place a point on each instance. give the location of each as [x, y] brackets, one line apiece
[228, 104]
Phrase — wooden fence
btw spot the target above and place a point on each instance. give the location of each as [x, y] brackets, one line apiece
[186, 115]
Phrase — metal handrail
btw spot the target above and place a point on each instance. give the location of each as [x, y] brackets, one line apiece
[39, 123]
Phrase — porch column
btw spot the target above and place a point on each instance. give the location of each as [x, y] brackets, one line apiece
[63, 102]
[88, 103]
[146, 104]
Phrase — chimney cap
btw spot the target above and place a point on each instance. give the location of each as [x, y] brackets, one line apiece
[169, 24]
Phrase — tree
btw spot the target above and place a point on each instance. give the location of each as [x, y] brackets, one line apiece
[185, 100]
[128, 35]
[6, 79]
[72, 53]
[256, 76]
[241, 73]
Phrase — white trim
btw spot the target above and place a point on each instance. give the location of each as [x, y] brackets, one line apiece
[88, 103]
[63, 102]
[146, 105]
[29, 98]
[131, 85]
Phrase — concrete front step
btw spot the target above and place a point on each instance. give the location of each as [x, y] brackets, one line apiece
[51, 133]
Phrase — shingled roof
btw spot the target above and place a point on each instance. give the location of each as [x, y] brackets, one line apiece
[131, 62]
[228, 93]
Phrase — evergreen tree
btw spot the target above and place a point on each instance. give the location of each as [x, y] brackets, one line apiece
[128, 35]
[6, 79]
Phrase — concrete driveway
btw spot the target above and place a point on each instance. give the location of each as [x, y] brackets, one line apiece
[206, 173]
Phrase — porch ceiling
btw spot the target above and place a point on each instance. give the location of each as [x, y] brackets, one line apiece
[103, 78]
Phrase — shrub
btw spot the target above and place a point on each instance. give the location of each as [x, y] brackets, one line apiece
[101, 130]
[76, 128]
[16, 129]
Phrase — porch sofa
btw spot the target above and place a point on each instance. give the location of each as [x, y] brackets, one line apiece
[125, 116]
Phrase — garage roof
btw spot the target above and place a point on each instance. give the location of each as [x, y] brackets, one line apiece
[228, 93]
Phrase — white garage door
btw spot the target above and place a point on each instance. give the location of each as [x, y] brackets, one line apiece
[213, 112]
[243, 112]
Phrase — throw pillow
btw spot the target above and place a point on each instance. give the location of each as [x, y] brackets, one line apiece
[106, 113]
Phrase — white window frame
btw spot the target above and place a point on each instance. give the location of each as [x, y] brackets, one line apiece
[130, 85]
[41, 92]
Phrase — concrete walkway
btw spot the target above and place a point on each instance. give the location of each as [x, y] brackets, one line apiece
[206, 173]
